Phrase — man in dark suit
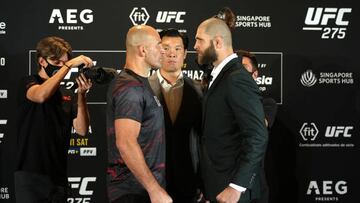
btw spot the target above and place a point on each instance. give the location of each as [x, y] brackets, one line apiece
[181, 99]
[234, 134]
[250, 63]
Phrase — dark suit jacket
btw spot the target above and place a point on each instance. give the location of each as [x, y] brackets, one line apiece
[182, 138]
[234, 133]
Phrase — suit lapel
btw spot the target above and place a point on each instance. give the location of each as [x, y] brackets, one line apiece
[186, 94]
[221, 75]
[156, 86]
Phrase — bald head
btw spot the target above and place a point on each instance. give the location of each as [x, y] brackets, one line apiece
[217, 27]
[140, 35]
[143, 49]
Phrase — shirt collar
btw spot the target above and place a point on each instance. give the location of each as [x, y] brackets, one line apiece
[216, 70]
[165, 84]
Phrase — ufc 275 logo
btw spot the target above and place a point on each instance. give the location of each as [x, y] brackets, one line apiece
[82, 184]
[331, 21]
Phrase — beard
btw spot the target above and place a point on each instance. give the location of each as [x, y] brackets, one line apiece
[209, 56]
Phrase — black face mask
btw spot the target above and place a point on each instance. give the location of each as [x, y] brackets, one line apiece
[51, 69]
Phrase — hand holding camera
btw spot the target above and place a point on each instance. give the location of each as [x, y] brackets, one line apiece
[83, 83]
[80, 60]
[88, 73]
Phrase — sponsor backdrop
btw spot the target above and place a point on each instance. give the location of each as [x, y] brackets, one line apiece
[308, 63]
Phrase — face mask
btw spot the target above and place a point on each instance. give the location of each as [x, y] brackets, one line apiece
[51, 69]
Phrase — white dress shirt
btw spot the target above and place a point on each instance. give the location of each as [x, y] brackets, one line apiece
[216, 70]
[172, 94]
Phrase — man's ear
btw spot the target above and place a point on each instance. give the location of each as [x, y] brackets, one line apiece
[255, 74]
[141, 50]
[218, 42]
[42, 62]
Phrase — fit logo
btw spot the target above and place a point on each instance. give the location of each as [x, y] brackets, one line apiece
[81, 184]
[139, 16]
[72, 16]
[168, 16]
[2, 122]
[318, 19]
[338, 131]
[309, 131]
[328, 187]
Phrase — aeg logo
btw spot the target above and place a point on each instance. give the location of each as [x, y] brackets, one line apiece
[2, 28]
[168, 16]
[85, 16]
[309, 131]
[72, 16]
[338, 131]
[328, 187]
[81, 184]
[318, 18]
[139, 16]
[2, 122]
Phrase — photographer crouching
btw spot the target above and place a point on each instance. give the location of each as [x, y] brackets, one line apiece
[45, 118]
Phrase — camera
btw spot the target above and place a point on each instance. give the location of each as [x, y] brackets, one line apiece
[99, 75]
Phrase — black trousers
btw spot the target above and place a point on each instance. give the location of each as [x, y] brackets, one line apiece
[37, 188]
[132, 198]
[184, 199]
